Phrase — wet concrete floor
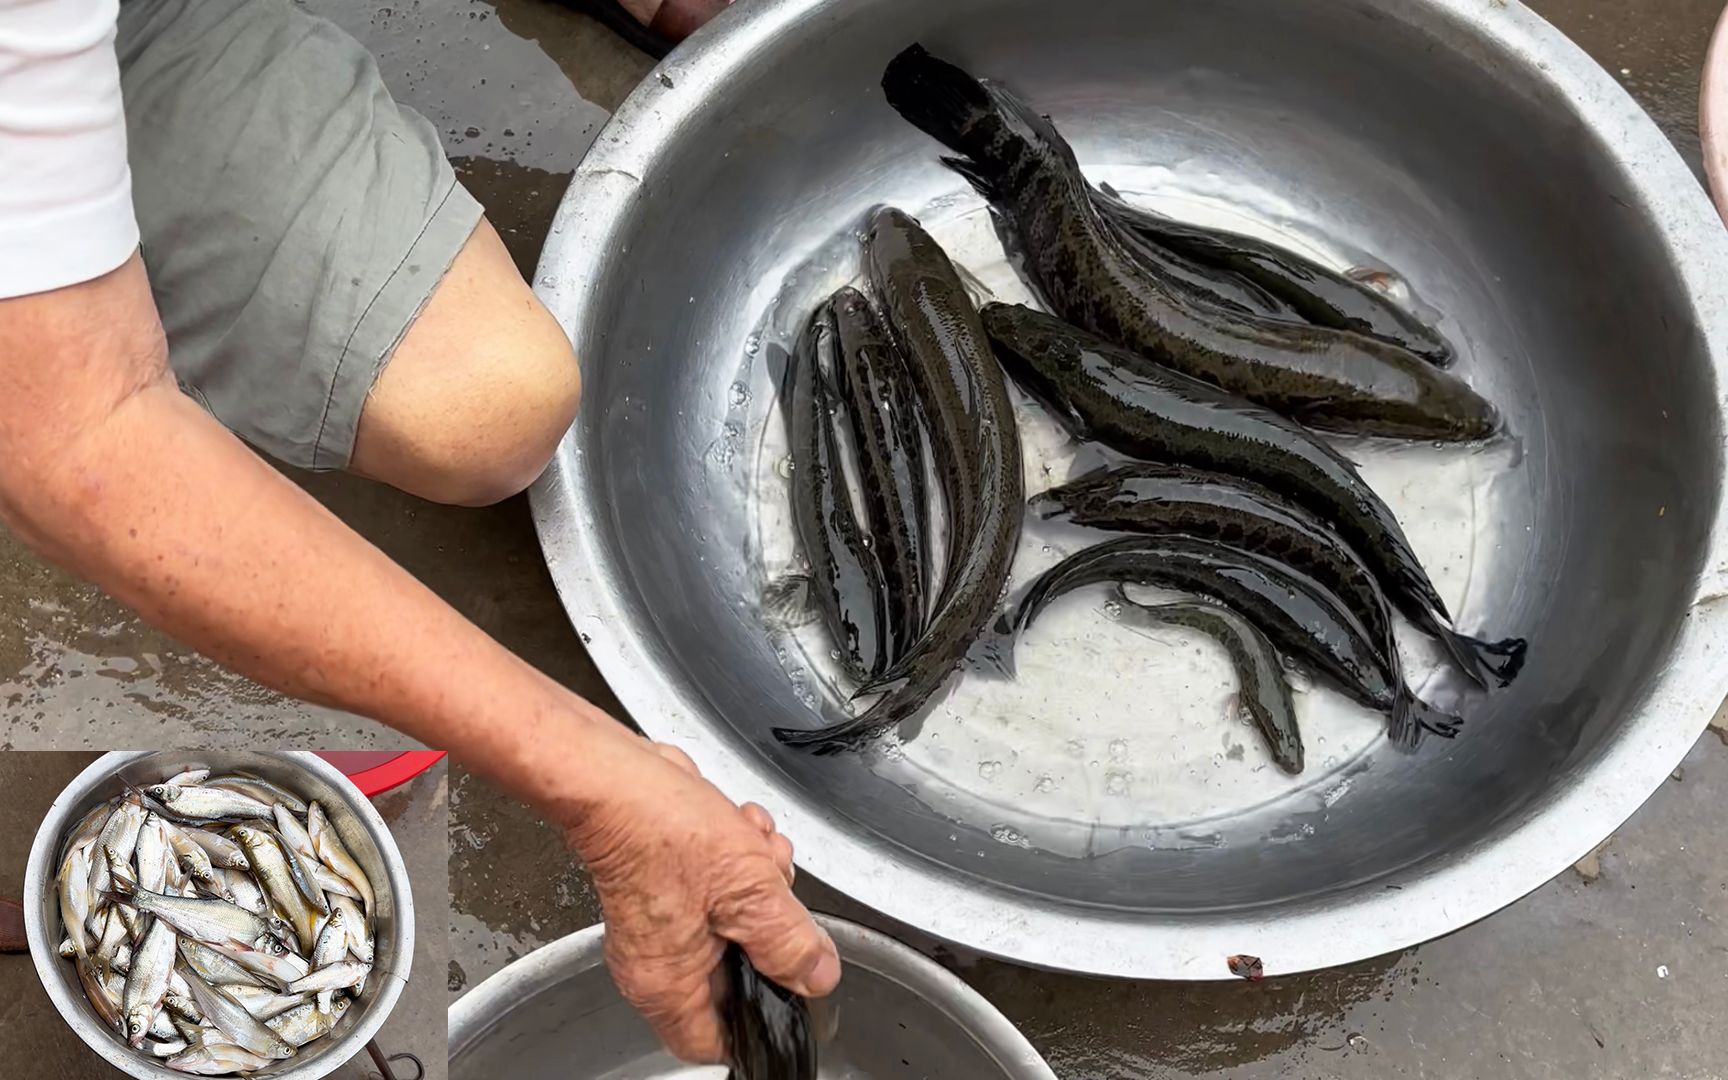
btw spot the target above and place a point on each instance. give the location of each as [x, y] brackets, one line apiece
[1621, 973]
[35, 1042]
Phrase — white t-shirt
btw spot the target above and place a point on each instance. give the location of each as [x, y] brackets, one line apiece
[65, 189]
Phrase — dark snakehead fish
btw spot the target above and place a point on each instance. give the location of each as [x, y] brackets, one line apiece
[1326, 378]
[768, 1031]
[1107, 394]
[1313, 293]
[1260, 676]
[1157, 499]
[1301, 617]
[845, 576]
[874, 386]
[976, 448]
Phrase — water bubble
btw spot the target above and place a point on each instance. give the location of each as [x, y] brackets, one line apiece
[721, 453]
[833, 654]
[1045, 784]
[1076, 747]
[1116, 783]
[731, 431]
[752, 344]
[1118, 749]
[785, 467]
[739, 395]
[1112, 609]
[780, 655]
[1008, 834]
[988, 769]
[1045, 549]
[548, 281]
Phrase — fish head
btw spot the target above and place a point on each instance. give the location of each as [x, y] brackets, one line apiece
[164, 793]
[137, 1026]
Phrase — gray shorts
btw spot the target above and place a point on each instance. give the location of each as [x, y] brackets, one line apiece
[294, 217]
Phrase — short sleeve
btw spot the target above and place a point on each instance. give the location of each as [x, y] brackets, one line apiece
[65, 190]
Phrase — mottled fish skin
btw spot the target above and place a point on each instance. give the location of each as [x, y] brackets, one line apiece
[1309, 291]
[1301, 617]
[1159, 499]
[874, 386]
[845, 571]
[1328, 378]
[975, 443]
[1107, 394]
[1262, 689]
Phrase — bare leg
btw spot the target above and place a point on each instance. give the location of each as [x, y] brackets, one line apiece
[477, 394]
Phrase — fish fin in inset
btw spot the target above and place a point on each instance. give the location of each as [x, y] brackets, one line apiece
[938, 98]
[980, 181]
[1412, 717]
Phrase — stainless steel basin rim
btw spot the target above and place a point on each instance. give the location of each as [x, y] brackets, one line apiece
[623, 173]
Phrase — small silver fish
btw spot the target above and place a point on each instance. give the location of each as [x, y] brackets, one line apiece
[207, 803]
[214, 966]
[347, 975]
[333, 884]
[188, 778]
[154, 854]
[214, 922]
[239, 888]
[270, 866]
[332, 948]
[257, 787]
[335, 856]
[280, 969]
[359, 930]
[261, 1002]
[118, 837]
[223, 852]
[301, 1025]
[302, 859]
[233, 1020]
[171, 1048]
[193, 858]
[218, 1059]
[147, 982]
[76, 897]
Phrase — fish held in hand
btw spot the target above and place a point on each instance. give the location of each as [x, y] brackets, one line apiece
[768, 1030]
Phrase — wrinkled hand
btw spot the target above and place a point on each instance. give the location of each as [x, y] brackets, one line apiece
[681, 871]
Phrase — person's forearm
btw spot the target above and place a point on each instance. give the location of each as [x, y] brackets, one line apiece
[155, 502]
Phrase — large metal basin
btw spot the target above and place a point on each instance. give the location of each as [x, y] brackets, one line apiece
[556, 1015]
[1100, 814]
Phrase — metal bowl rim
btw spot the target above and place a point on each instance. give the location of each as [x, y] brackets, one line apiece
[1401, 909]
[476, 1013]
[45, 956]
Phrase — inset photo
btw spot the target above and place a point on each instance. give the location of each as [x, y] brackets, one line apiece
[223, 913]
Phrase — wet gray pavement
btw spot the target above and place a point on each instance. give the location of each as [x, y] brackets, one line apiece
[1621, 971]
[35, 1042]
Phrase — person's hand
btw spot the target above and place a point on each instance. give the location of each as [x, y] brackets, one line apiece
[681, 871]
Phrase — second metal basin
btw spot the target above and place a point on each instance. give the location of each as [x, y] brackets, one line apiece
[555, 1015]
[1100, 814]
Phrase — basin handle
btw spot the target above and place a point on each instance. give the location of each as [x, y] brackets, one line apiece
[386, 1068]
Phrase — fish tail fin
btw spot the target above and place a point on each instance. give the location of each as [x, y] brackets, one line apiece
[1492, 664]
[848, 734]
[977, 177]
[1416, 581]
[939, 99]
[994, 648]
[1412, 718]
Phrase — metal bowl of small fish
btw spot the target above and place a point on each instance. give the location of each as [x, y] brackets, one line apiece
[219, 913]
[556, 1015]
[1538, 528]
